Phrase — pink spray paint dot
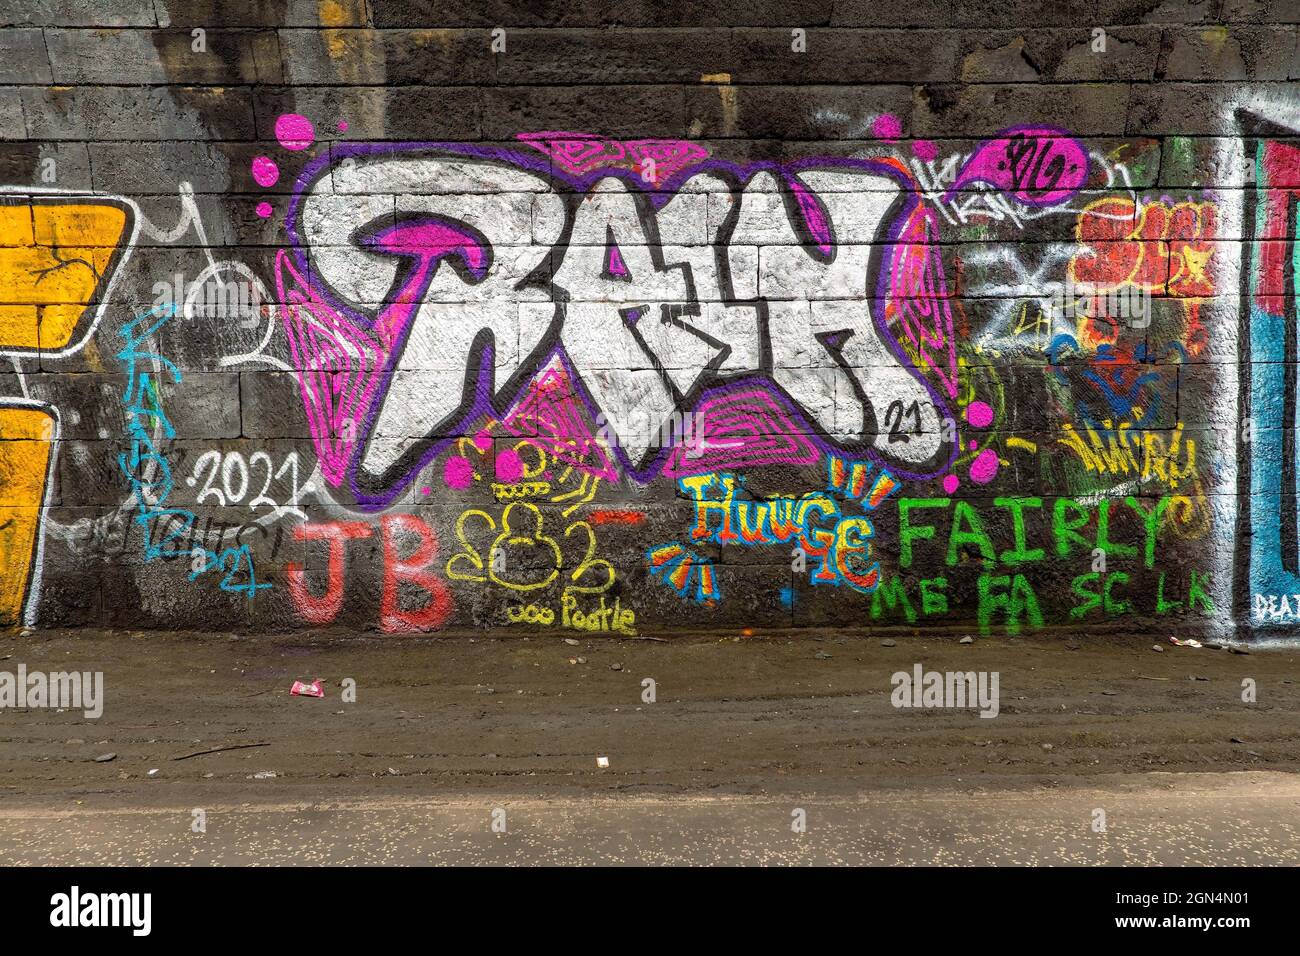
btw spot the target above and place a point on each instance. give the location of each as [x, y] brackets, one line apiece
[343, 126]
[424, 490]
[887, 127]
[985, 467]
[265, 172]
[951, 483]
[458, 473]
[972, 444]
[483, 441]
[264, 210]
[510, 467]
[979, 414]
[925, 149]
[294, 131]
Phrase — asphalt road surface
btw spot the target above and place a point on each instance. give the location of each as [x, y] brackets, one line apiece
[450, 740]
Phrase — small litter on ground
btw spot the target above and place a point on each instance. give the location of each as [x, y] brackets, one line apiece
[313, 689]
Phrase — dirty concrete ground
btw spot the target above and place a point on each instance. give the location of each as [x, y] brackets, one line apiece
[1215, 819]
[742, 733]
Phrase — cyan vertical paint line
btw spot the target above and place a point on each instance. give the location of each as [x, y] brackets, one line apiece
[1288, 543]
[1275, 413]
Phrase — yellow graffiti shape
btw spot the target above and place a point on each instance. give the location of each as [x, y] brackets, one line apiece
[467, 564]
[1116, 451]
[54, 258]
[26, 442]
[56, 255]
[531, 552]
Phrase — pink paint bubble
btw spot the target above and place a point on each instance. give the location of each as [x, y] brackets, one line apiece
[265, 172]
[483, 441]
[264, 210]
[294, 131]
[510, 467]
[1036, 165]
[887, 127]
[979, 414]
[458, 473]
[343, 126]
[985, 467]
[424, 490]
[925, 149]
[951, 483]
[972, 444]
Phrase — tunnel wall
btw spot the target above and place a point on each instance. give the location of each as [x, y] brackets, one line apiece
[630, 318]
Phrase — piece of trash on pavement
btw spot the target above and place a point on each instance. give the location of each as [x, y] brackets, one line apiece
[313, 689]
[264, 775]
[602, 762]
[1190, 642]
[153, 771]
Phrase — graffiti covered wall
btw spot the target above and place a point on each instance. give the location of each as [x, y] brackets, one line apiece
[412, 318]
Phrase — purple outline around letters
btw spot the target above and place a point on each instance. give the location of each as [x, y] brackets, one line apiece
[659, 196]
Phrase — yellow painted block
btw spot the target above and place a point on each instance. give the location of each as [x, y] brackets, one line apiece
[53, 256]
[26, 442]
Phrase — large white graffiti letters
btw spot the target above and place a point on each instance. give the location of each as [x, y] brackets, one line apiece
[443, 279]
